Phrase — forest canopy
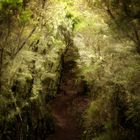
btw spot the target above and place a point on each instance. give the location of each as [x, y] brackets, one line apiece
[71, 66]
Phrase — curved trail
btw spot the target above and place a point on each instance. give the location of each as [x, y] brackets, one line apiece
[66, 127]
[69, 100]
[62, 108]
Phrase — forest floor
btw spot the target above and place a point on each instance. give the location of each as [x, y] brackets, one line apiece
[66, 108]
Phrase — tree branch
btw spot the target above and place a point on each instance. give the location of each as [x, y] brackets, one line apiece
[24, 42]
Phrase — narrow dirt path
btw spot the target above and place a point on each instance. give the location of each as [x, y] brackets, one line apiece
[63, 111]
[68, 100]
[66, 124]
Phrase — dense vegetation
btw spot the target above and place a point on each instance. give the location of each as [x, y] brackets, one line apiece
[42, 42]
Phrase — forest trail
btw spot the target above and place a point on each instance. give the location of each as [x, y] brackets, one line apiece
[63, 111]
[69, 101]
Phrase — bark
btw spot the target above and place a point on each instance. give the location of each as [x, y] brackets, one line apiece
[24, 43]
[1, 65]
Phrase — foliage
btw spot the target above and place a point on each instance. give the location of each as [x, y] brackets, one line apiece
[40, 42]
[110, 66]
[123, 18]
[31, 66]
